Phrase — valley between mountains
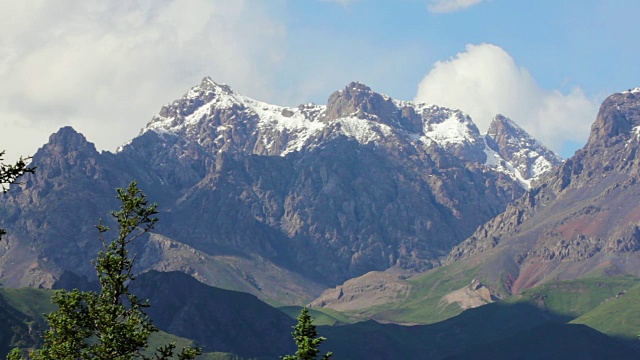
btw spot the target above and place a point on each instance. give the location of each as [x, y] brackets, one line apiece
[403, 227]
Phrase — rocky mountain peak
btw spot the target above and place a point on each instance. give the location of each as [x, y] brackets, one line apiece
[67, 141]
[525, 154]
[502, 125]
[195, 105]
[208, 84]
[618, 119]
[358, 100]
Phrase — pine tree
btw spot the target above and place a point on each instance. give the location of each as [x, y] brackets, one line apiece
[10, 173]
[112, 324]
[307, 339]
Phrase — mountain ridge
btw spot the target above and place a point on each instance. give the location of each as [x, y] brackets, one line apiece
[449, 128]
[266, 195]
[581, 216]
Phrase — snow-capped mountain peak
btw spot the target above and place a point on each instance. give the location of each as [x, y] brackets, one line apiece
[218, 118]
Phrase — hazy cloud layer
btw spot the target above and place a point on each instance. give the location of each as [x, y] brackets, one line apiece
[484, 81]
[99, 65]
[447, 6]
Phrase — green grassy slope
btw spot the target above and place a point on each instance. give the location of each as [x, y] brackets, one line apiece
[618, 316]
[32, 302]
[21, 321]
[576, 297]
[320, 316]
[161, 338]
[14, 328]
[423, 304]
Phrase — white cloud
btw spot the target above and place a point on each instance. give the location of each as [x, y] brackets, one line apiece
[107, 67]
[484, 81]
[447, 6]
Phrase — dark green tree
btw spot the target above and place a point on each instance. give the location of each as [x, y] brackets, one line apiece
[9, 173]
[307, 339]
[111, 324]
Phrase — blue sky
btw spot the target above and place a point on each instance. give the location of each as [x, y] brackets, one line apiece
[107, 67]
[562, 43]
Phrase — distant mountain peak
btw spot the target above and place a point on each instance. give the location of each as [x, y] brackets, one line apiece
[617, 118]
[527, 158]
[358, 100]
[207, 84]
[67, 140]
[64, 133]
[501, 120]
[357, 85]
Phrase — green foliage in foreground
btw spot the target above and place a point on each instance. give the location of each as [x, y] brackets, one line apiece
[307, 339]
[9, 173]
[110, 325]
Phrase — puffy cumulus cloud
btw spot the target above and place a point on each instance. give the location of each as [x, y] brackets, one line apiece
[447, 6]
[485, 80]
[107, 67]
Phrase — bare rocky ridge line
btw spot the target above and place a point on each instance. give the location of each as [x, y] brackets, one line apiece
[581, 217]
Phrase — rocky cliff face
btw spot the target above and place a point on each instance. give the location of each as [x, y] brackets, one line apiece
[273, 200]
[583, 216]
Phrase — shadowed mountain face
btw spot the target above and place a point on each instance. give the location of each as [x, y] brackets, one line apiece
[276, 201]
[494, 331]
[220, 320]
[582, 217]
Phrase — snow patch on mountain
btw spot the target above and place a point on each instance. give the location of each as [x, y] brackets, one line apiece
[632, 91]
[498, 163]
[453, 130]
[364, 131]
[635, 131]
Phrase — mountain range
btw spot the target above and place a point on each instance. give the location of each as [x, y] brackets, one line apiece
[364, 208]
[280, 202]
[581, 220]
